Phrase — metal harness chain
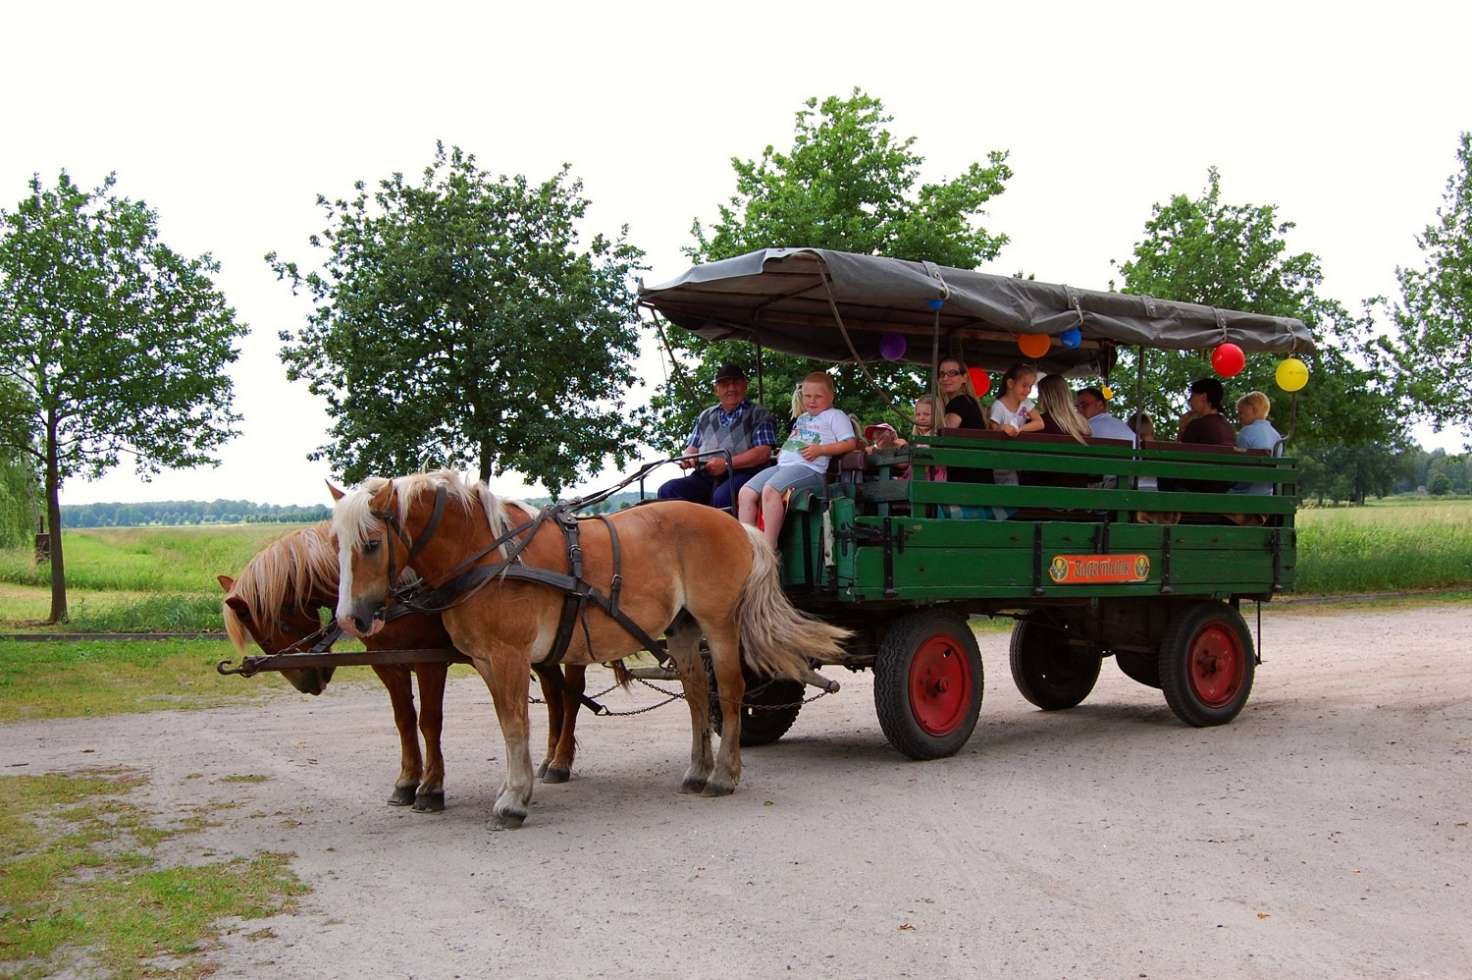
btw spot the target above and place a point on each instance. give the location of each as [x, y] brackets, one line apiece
[679, 695]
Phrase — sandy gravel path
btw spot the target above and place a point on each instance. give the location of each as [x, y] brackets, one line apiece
[1324, 833]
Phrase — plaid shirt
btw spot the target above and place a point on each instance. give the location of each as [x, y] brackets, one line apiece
[762, 434]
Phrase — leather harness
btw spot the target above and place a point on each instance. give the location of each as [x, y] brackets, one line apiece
[467, 578]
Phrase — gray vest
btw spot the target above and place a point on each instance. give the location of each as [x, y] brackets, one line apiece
[737, 438]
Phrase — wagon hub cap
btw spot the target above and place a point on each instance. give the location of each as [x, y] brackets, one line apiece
[940, 685]
[1217, 666]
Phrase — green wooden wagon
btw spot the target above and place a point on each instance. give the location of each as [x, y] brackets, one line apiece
[1152, 579]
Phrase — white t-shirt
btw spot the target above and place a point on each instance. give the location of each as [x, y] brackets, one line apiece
[1002, 415]
[828, 426]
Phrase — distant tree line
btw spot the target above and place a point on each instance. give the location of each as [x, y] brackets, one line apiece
[177, 512]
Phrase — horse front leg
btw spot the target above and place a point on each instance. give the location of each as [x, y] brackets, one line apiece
[725, 653]
[430, 796]
[401, 696]
[574, 683]
[684, 647]
[506, 673]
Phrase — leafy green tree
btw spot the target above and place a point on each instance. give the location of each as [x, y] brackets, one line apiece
[1235, 256]
[1434, 315]
[457, 320]
[847, 183]
[1441, 485]
[113, 343]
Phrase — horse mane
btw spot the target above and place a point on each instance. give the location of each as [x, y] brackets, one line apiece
[353, 521]
[298, 564]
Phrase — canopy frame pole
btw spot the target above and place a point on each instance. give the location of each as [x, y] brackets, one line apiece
[1139, 406]
[935, 370]
[760, 389]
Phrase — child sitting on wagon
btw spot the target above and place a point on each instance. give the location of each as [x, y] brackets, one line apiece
[819, 432]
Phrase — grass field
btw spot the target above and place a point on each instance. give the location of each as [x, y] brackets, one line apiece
[1386, 546]
[134, 579]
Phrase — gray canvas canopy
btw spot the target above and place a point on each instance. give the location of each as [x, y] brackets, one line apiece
[784, 299]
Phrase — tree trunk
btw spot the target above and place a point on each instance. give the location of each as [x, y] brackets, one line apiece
[53, 524]
[485, 461]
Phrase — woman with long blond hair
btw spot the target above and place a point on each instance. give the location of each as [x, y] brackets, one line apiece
[1060, 415]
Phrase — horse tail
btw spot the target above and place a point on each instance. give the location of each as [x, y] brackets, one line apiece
[776, 639]
[621, 675]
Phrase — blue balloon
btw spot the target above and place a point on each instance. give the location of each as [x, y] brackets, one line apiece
[1071, 337]
[935, 304]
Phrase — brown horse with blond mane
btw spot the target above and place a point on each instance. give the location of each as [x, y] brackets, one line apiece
[276, 600]
[686, 570]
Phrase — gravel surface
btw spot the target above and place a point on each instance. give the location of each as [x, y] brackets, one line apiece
[1324, 833]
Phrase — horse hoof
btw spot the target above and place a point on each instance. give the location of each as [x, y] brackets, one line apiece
[713, 788]
[510, 820]
[555, 775]
[542, 770]
[430, 802]
[403, 796]
[692, 785]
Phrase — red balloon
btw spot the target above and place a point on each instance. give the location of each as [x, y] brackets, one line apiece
[1228, 360]
[981, 381]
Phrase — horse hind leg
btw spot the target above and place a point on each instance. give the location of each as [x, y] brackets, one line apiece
[725, 654]
[683, 642]
[552, 683]
[430, 796]
[401, 696]
[574, 683]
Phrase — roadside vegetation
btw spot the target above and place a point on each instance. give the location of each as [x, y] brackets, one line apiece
[84, 891]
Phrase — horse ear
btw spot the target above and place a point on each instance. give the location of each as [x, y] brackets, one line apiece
[336, 493]
[226, 582]
[383, 498]
[238, 604]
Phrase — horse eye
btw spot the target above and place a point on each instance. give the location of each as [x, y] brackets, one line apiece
[369, 547]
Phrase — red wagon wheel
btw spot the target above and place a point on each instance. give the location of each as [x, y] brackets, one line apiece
[928, 684]
[1207, 664]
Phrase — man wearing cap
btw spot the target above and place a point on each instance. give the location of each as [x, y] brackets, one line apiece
[735, 424]
[1091, 405]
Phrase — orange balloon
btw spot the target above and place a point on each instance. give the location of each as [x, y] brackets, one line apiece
[1034, 344]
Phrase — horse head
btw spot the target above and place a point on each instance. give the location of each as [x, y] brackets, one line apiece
[273, 630]
[373, 546]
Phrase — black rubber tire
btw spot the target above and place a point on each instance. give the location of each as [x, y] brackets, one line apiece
[1142, 667]
[1204, 623]
[1048, 672]
[892, 675]
[761, 724]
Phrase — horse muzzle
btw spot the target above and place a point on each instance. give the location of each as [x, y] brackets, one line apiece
[360, 623]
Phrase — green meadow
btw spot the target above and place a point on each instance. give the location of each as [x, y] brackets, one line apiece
[1386, 546]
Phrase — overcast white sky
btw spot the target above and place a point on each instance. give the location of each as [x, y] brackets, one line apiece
[229, 119]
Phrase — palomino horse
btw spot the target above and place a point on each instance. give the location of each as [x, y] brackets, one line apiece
[275, 602]
[685, 570]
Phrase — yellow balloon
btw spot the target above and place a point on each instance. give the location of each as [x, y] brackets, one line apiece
[1107, 392]
[1292, 374]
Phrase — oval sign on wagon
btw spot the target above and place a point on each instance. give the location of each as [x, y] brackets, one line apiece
[1098, 569]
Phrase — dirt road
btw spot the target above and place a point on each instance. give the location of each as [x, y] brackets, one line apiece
[1324, 833]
